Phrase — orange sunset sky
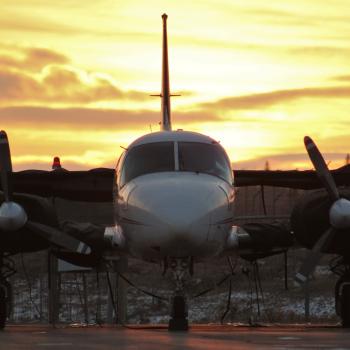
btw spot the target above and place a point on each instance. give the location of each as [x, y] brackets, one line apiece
[75, 77]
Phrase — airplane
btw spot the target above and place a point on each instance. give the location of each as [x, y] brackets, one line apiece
[173, 193]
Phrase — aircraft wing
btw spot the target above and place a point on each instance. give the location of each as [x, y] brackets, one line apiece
[320, 219]
[28, 220]
[94, 185]
[257, 239]
[306, 180]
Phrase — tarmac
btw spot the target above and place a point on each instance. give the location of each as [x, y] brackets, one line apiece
[218, 337]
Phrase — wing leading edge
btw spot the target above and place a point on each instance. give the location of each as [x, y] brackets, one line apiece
[94, 185]
[306, 180]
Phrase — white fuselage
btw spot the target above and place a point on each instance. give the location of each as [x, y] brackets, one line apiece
[175, 213]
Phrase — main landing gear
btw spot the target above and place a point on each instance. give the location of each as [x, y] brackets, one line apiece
[6, 270]
[3, 309]
[180, 268]
[342, 290]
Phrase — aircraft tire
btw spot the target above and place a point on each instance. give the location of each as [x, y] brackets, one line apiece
[345, 305]
[179, 321]
[3, 311]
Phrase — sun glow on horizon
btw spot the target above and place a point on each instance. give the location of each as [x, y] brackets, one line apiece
[75, 80]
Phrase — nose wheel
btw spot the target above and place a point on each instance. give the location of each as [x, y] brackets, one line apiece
[179, 314]
[181, 269]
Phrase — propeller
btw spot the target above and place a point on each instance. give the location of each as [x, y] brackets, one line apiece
[59, 238]
[13, 217]
[321, 168]
[5, 166]
[339, 213]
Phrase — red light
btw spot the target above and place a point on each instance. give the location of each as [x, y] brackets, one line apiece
[56, 163]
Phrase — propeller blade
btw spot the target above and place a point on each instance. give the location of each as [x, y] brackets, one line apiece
[308, 266]
[321, 168]
[5, 166]
[59, 238]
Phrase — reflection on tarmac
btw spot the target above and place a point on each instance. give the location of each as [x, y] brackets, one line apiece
[202, 337]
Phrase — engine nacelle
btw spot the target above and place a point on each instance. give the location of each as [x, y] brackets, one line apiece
[256, 240]
[12, 216]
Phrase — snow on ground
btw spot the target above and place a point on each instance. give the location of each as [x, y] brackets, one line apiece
[276, 304]
[275, 307]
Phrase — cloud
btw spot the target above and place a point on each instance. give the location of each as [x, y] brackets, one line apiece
[86, 118]
[340, 142]
[318, 50]
[277, 16]
[78, 161]
[345, 78]
[298, 15]
[61, 85]
[289, 161]
[267, 99]
[91, 118]
[334, 150]
[32, 59]
[42, 76]
[39, 57]
[24, 23]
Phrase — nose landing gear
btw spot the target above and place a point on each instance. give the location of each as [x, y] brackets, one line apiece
[181, 268]
[179, 314]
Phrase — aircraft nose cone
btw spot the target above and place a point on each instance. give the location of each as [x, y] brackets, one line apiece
[180, 206]
[176, 204]
[179, 219]
[176, 213]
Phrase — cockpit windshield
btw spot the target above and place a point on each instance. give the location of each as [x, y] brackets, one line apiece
[204, 158]
[157, 157]
[148, 158]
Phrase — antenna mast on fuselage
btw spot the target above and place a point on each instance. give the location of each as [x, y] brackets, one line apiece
[165, 94]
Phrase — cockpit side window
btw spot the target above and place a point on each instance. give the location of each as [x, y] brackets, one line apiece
[148, 158]
[204, 158]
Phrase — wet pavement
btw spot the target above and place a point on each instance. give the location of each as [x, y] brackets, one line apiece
[157, 337]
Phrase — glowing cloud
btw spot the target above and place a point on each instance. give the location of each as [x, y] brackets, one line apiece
[75, 79]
